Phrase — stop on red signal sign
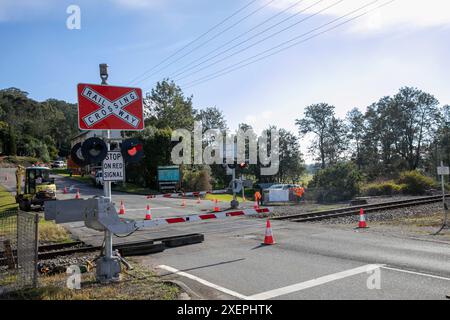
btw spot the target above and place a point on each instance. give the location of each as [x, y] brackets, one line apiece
[103, 107]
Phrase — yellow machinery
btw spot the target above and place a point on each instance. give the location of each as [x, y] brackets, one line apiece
[38, 187]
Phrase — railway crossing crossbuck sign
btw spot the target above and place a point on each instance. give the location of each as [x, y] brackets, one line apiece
[103, 107]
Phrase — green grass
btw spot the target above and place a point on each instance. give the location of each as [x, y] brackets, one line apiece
[223, 197]
[85, 179]
[48, 230]
[61, 171]
[7, 201]
[128, 187]
[140, 283]
[132, 188]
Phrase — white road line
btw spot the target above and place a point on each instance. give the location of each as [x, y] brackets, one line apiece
[416, 273]
[204, 282]
[313, 283]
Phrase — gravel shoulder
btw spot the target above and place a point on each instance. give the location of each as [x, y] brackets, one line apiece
[420, 222]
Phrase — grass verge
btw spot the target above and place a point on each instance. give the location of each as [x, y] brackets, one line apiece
[140, 283]
[84, 179]
[134, 189]
[223, 197]
[48, 230]
[7, 201]
[127, 188]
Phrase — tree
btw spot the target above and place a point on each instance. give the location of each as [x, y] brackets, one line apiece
[356, 128]
[167, 107]
[37, 129]
[439, 149]
[329, 142]
[212, 118]
[11, 143]
[291, 162]
[336, 183]
[400, 128]
[417, 122]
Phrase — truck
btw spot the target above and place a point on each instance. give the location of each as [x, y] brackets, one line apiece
[73, 168]
[38, 187]
[169, 178]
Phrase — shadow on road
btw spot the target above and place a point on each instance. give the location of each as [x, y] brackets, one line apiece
[213, 265]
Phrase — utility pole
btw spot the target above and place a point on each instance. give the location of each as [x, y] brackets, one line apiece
[106, 184]
[443, 171]
[109, 264]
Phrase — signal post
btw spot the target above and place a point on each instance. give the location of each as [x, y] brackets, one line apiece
[105, 108]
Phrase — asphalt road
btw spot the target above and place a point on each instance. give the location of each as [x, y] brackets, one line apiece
[307, 262]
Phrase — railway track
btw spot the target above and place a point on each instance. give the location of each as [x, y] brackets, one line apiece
[349, 211]
[52, 251]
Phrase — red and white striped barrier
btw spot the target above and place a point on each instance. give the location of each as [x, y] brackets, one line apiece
[186, 194]
[200, 217]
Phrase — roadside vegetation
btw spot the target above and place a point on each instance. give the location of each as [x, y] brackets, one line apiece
[13, 161]
[409, 183]
[49, 232]
[137, 284]
[390, 148]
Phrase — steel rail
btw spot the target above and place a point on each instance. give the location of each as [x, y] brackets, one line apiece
[354, 210]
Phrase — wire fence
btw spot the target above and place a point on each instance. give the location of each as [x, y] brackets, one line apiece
[18, 250]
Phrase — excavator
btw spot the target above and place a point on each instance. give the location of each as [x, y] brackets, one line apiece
[38, 187]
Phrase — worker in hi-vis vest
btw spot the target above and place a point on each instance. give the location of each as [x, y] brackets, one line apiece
[258, 197]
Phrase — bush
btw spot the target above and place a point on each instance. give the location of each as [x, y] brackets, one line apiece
[196, 180]
[337, 183]
[387, 188]
[415, 183]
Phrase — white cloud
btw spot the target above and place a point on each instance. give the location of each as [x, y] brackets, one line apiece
[400, 13]
[139, 4]
[16, 10]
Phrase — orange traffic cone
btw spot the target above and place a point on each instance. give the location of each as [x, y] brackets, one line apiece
[65, 190]
[268, 237]
[362, 219]
[148, 215]
[216, 207]
[122, 208]
[77, 196]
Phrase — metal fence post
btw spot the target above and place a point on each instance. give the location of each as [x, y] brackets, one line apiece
[36, 250]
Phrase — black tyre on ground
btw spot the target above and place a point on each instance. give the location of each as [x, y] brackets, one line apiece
[24, 205]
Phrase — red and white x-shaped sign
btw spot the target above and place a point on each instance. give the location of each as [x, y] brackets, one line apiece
[109, 108]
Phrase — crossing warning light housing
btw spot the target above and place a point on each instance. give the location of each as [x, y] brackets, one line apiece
[243, 165]
[94, 150]
[132, 150]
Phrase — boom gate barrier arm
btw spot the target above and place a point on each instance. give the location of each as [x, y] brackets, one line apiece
[100, 214]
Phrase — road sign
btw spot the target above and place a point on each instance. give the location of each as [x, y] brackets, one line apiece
[113, 166]
[102, 107]
[443, 171]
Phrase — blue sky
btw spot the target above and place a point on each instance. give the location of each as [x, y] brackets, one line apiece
[403, 44]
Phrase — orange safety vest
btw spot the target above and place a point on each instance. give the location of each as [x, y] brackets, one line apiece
[257, 195]
[299, 191]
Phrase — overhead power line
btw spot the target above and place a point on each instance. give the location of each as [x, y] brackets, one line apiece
[193, 41]
[220, 33]
[240, 65]
[261, 40]
[243, 34]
